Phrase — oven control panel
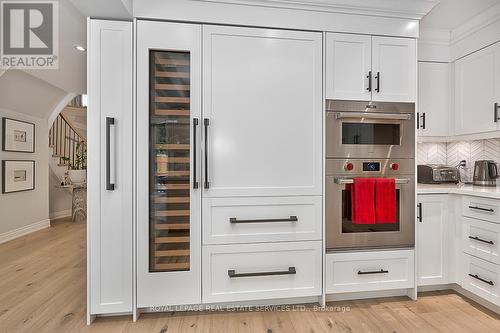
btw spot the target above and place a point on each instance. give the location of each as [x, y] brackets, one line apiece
[371, 166]
[374, 167]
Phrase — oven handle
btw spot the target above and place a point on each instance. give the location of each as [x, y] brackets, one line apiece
[367, 115]
[342, 181]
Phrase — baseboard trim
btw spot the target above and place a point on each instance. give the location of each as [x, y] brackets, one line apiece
[60, 214]
[28, 229]
[366, 295]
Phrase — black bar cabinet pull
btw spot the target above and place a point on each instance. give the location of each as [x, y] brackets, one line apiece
[481, 240]
[109, 121]
[381, 271]
[232, 273]
[423, 120]
[418, 120]
[497, 107]
[290, 219]
[369, 77]
[195, 155]
[206, 122]
[475, 276]
[419, 216]
[378, 82]
[483, 209]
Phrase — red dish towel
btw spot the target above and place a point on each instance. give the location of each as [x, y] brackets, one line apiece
[385, 200]
[363, 201]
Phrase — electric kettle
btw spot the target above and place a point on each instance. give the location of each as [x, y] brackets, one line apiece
[485, 173]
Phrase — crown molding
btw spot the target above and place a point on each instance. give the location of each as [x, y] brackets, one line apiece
[411, 9]
[478, 22]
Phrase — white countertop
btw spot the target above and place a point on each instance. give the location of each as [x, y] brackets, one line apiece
[479, 191]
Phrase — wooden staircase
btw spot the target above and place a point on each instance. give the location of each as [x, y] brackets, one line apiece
[65, 141]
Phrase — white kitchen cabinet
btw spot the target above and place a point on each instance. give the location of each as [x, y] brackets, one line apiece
[110, 161]
[432, 240]
[348, 66]
[168, 163]
[434, 93]
[477, 89]
[360, 67]
[394, 70]
[262, 109]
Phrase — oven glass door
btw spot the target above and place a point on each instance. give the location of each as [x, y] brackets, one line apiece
[343, 233]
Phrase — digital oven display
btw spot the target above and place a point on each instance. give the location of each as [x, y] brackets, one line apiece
[371, 166]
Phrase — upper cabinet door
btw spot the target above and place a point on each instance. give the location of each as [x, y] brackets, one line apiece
[476, 90]
[348, 67]
[434, 90]
[394, 62]
[168, 167]
[262, 101]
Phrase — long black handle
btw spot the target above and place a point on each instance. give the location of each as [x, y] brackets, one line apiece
[206, 123]
[423, 120]
[496, 108]
[290, 219]
[378, 82]
[419, 216]
[481, 240]
[195, 154]
[381, 271]
[418, 120]
[232, 273]
[109, 121]
[369, 77]
[483, 209]
[475, 276]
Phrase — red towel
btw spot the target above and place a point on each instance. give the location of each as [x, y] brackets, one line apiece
[385, 200]
[362, 198]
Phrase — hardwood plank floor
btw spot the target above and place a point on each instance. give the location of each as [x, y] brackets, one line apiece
[42, 289]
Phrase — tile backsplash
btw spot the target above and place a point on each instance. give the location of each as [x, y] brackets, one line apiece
[453, 152]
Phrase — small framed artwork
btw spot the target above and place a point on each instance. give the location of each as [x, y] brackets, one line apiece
[18, 176]
[18, 136]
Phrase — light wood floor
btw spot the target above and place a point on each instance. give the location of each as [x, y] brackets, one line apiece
[42, 289]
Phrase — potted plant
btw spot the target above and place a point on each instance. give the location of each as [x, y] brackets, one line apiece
[77, 171]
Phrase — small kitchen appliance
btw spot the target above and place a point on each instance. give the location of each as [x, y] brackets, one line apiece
[485, 173]
[437, 174]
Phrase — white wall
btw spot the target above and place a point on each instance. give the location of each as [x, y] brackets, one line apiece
[30, 209]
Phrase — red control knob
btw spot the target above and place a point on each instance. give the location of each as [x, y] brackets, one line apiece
[349, 166]
[394, 166]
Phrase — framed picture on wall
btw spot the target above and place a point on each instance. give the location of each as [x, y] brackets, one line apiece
[18, 176]
[18, 136]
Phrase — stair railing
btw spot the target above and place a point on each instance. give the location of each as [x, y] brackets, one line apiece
[66, 141]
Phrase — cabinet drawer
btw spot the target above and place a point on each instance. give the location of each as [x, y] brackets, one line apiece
[261, 271]
[481, 239]
[481, 278]
[481, 208]
[369, 271]
[268, 219]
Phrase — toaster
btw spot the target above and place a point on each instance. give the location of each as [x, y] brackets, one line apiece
[437, 174]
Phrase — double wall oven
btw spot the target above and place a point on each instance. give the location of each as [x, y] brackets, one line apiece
[369, 139]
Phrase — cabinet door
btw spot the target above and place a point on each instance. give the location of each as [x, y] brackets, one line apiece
[348, 67]
[432, 244]
[168, 132]
[433, 99]
[109, 207]
[475, 84]
[394, 66]
[262, 104]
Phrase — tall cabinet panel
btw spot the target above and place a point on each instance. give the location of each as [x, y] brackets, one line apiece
[110, 164]
[262, 109]
[168, 171]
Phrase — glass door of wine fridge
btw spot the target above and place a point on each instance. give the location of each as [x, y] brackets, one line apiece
[168, 113]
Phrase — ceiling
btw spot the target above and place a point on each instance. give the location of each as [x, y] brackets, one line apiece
[450, 14]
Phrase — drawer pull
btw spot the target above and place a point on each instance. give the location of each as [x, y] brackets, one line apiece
[481, 240]
[232, 273]
[491, 210]
[290, 219]
[482, 280]
[382, 271]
